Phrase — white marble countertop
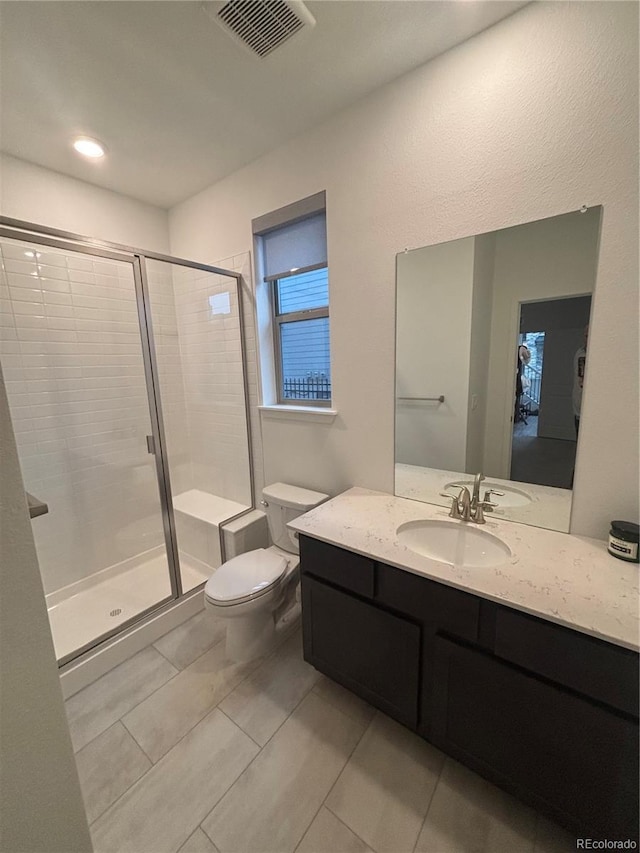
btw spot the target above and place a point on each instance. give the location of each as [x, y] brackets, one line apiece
[570, 580]
[548, 507]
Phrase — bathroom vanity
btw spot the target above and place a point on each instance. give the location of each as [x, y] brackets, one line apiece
[527, 671]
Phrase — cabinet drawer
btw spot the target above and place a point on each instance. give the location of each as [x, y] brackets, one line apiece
[370, 651]
[429, 602]
[600, 670]
[564, 754]
[342, 568]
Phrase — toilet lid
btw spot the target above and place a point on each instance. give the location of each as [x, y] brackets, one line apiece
[245, 575]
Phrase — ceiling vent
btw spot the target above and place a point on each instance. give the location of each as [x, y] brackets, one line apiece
[261, 26]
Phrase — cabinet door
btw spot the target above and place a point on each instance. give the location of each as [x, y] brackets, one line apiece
[436, 608]
[568, 756]
[370, 651]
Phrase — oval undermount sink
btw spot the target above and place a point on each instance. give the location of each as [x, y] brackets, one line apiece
[454, 542]
[511, 496]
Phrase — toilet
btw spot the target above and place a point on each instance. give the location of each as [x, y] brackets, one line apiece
[255, 592]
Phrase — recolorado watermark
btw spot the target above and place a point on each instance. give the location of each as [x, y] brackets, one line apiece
[605, 844]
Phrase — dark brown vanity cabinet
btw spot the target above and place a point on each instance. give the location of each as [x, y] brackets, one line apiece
[566, 755]
[378, 639]
[547, 713]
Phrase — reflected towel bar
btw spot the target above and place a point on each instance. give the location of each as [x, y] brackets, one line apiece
[439, 399]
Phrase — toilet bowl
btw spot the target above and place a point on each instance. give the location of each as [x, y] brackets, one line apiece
[255, 592]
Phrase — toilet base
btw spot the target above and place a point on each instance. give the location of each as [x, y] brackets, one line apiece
[250, 636]
[288, 620]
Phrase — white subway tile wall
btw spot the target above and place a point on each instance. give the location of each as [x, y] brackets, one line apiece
[170, 370]
[72, 361]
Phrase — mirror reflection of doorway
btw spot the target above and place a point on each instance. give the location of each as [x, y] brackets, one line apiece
[544, 437]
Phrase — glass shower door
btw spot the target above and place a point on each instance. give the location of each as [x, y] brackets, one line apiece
[76, 368]
[197, 332]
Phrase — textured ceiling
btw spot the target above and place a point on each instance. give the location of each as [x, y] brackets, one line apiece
[177, 102]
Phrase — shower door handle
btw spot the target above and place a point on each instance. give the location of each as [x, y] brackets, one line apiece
[151, 445]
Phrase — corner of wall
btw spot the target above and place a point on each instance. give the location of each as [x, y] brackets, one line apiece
[40, 800]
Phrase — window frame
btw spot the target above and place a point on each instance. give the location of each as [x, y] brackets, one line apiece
[268, 321]
[279, 319]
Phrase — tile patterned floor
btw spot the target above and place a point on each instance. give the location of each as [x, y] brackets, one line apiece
[180, 750]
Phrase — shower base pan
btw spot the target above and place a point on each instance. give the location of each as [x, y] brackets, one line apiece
[83, 611]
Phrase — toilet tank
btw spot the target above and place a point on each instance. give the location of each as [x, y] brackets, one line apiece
[283, 503]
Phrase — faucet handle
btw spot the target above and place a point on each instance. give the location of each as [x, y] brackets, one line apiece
[487, 496]
[460, 489]
[480, 510]
[454, 512]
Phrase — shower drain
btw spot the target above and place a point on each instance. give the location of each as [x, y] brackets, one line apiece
[116, 612]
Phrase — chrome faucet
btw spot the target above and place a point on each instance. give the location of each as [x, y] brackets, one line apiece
[460, 504]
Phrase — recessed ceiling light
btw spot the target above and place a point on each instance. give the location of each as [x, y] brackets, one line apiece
[89, 147]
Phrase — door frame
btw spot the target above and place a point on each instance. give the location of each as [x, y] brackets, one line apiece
[510, 387]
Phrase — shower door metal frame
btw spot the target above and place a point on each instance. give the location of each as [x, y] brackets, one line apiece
[157, 428]
[33, 228]
[19, 229]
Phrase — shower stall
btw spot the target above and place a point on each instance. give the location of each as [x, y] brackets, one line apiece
[126, 378]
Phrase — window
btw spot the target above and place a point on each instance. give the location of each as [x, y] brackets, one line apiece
[301, 335]
[292, 249]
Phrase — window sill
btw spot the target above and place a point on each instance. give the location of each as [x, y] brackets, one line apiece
[304, 413]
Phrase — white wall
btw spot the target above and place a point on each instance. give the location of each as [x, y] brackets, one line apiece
[481, 308]
[434, 301]
[41, 809]
[43, 197]
[543, 260]
[534, 117]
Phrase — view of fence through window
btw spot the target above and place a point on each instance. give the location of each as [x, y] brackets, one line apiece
[304, 343]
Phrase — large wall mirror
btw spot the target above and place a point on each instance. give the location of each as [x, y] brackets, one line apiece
[491, 364]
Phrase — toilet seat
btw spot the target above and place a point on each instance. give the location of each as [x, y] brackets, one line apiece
[245, 577]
